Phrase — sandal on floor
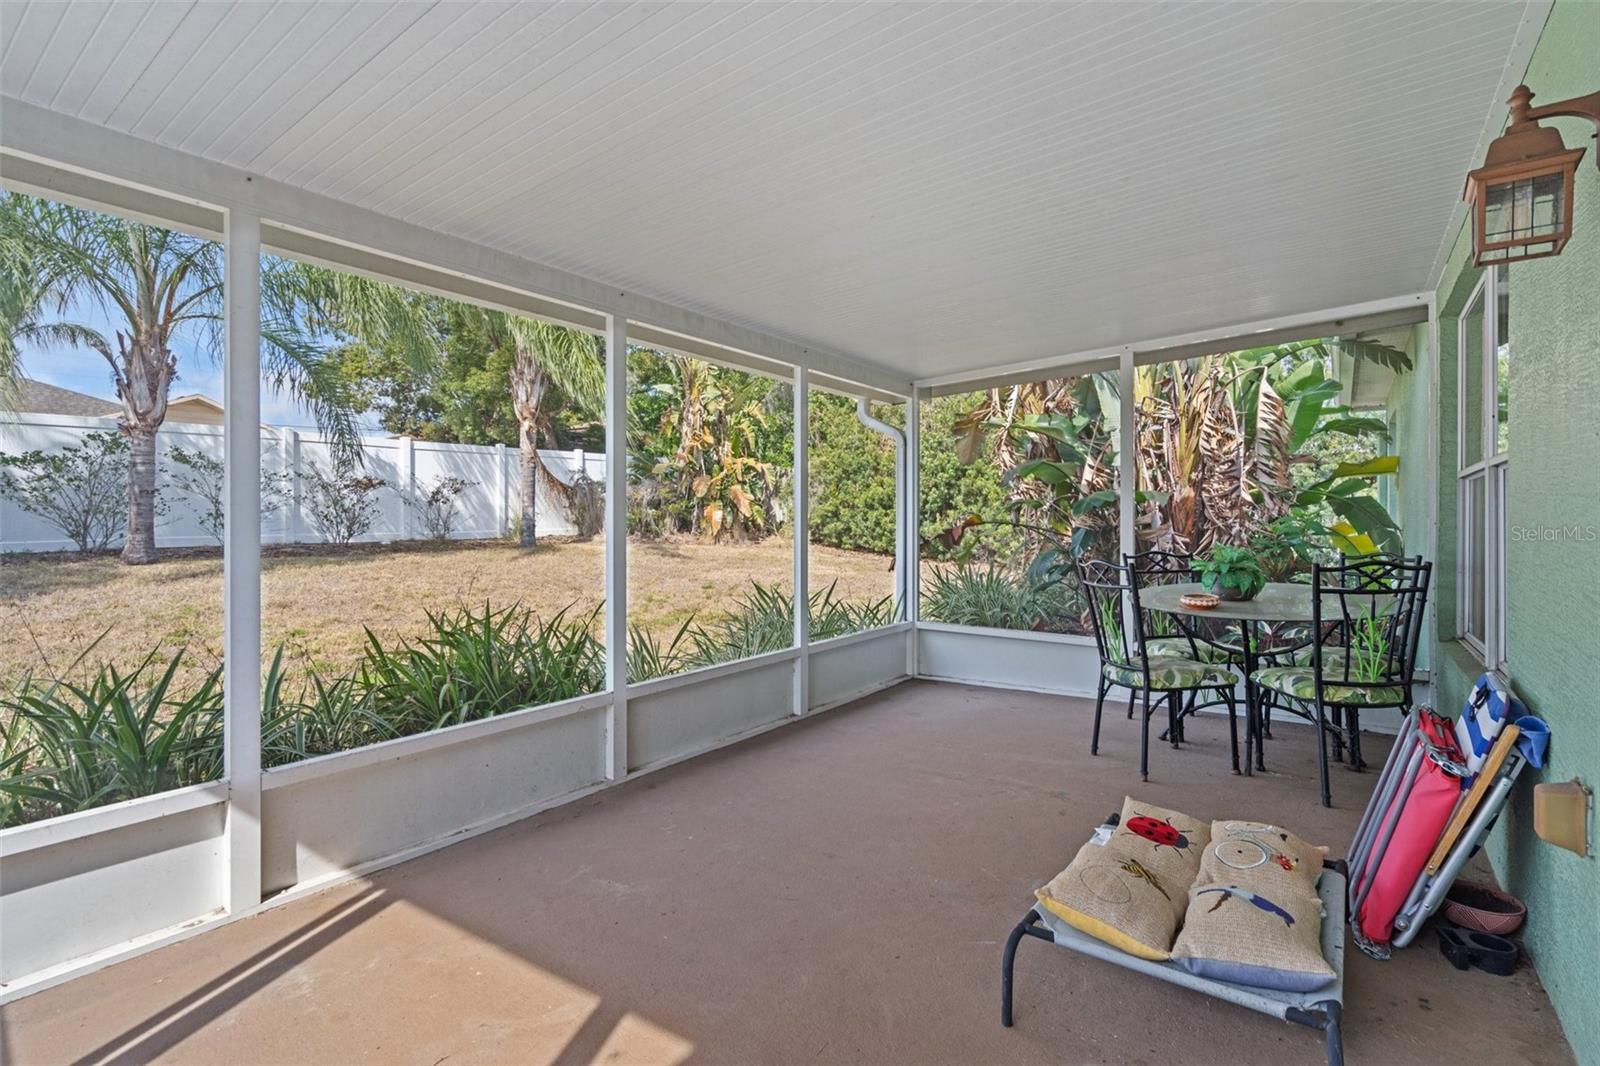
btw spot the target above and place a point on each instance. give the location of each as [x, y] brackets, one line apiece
[1467, 947]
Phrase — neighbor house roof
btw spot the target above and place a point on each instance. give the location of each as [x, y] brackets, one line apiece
[36, 397]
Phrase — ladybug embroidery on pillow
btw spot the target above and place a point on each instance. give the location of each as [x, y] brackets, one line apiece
[1158, 831]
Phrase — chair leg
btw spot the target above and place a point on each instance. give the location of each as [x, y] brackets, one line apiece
[1099, 703]
[1131, 696]
[1336, 719]
[1250, 712]
[1266, 718]
[1353, 731]
[1144, 739]
[1174, 730]
[1233, 726]
[1322, 755]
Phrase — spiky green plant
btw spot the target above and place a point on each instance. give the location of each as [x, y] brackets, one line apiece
[1369, 648]
[477, 664]
[327, 716]
[70, 746]
[762, 621]
[1111, 624]
[649, 657]
[832, 617]
[994, 598]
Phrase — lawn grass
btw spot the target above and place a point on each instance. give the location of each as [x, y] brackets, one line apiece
[317, 600]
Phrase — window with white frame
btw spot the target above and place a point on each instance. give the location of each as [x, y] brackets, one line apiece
[1483, 466]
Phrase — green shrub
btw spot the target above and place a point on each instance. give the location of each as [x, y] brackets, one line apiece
[328, 716]
[69, 747]
[995, 598]
[649, 658]
[81, 489]
[832, 617]
[852, 478]
[762, 621]
[852, 483]
[952, 490]
[476, 664]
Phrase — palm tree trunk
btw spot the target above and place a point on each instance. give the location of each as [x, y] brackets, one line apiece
[528, 385]
[528, 469]
[140, 544]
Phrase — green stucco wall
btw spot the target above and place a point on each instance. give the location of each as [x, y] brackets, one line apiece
[1553, 553]
[1408, 411]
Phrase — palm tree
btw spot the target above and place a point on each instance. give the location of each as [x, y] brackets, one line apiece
[158, 285]
[25, 289]
[544, 356]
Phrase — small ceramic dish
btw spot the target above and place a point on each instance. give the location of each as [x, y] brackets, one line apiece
[1199, 601]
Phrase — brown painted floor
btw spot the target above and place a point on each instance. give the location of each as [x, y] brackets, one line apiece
[835, 892]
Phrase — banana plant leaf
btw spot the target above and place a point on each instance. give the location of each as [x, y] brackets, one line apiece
[1356, 425]
[1366, 516]
[1382, 464]
[1094, 501]
[1385, 356]
[1051, 471]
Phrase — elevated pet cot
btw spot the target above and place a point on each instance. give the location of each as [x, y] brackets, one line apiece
[1321, 1009]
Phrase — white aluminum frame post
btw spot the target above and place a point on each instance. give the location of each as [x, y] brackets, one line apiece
[1127, 460]
[800, 523]
[616, 546]
[241, 559]
[909, 502]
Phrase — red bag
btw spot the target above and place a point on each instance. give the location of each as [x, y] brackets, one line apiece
[1422, 813]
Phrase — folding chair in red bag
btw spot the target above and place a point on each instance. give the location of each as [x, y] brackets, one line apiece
[1415, 797]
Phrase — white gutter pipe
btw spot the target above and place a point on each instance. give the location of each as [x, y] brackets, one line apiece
[903, 565]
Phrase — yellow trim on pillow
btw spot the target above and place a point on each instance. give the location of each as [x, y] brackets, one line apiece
[1101, 931]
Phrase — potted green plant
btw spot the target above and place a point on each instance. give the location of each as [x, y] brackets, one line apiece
[1231, 572]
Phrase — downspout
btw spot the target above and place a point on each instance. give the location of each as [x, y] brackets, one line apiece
[902, 564]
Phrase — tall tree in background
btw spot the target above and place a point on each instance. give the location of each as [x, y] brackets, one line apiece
[720, 446]
[159, 285]
[545, 356]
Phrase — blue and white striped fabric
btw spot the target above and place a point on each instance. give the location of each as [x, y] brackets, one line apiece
[1488, 708]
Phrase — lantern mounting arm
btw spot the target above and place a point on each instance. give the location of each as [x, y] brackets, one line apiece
[1578, 107]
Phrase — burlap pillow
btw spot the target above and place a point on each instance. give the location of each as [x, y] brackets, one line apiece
[1248, 937]
[1254, 917]
[1131, 891]
[1256, 853]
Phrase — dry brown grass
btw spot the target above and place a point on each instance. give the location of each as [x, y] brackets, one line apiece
[317, 601]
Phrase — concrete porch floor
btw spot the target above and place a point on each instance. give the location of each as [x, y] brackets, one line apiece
[833, 892]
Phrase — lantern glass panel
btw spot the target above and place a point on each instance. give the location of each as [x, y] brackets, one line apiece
[1497, 213]
[1547, 189]
[1523, 209]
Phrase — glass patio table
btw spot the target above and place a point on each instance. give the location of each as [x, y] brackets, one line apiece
[1279, 603]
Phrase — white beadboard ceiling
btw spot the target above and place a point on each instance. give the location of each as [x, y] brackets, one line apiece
[929, 187]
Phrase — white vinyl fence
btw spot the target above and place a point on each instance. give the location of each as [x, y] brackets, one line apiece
[409, 468]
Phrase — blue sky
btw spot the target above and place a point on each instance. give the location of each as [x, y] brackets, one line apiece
[199, 370]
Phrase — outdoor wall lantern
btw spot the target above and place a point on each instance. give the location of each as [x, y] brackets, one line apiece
[1522, 195]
